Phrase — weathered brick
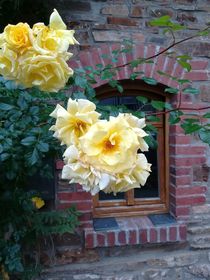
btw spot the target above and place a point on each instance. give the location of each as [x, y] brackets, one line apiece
[153, 235]
[136, 11]
[122, 237]
[143, 236]
[110, 238]
[100, 240]
[172, 234]
[122, 21]
[121, 10]
[89, 242]
[132, 237]
[109, 36]
[161, 12]
[205, 90]
[186, 17]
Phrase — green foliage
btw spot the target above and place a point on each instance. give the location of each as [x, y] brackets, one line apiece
[25, 145]
[22, 225]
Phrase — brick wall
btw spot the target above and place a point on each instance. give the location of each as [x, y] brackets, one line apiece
[100, 28]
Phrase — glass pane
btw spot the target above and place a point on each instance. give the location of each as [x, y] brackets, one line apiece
[151, 188]
[111, 196]
[129, 101]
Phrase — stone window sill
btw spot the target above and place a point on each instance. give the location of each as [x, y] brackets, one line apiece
[133, 231]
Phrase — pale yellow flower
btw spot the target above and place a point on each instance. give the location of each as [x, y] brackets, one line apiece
[110, 145]
[48, 72]
[38, 202]
[137, 126]
[8, 63]
[17, 36]
[88, 176]
[55, 38]
[75, 121]
[132, 178]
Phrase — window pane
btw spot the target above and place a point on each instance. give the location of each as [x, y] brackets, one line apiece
[151, 188]
[111, 196]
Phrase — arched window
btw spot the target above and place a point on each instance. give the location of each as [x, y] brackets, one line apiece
[153, 197]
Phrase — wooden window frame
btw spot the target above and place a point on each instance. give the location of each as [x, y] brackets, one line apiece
[131, 206]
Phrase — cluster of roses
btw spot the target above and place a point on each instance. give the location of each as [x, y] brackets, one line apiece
[37, 56]
[101, 155]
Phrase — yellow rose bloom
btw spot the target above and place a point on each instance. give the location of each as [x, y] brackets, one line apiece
[77, 171]
[131, 178]
[110, 145]
[75, 121]
[55, 38]
[48, 72]
[137, 124]
[18, 36]
[8, 63]
[38, 202]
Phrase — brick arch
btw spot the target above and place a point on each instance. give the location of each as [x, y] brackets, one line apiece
[94, 56]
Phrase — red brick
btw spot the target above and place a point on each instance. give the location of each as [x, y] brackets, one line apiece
[172, 234]
[181, 140]
[163, 235]
[89, 242]
[111, 239]
[151, 50]
[132, 237]
[182, 232]
[199, 64]
[84, 205]
[180, 171]
[190, 190]
[143, 236]
[181, 180]
[86, 217]
[77, 196]
[153, 235]
[181, 211]
[190, 200]
[100, 240]
[176, 129]
[186, 161]
[196, 76]
[122, 238]
[122, 21]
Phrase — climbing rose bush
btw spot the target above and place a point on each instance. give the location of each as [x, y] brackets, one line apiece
[98, 150]
[37, 56]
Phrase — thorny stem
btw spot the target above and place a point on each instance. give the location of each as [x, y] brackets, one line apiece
[164, 50]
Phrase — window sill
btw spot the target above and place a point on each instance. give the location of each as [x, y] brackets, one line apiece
[133, 231]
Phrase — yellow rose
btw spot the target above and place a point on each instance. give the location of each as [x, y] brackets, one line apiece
[48, 72]
[88, 176]
[38, 202]
[18, 36]
[75, 121]
[137, 124]
[131, 178]
[8, 63]
[55, 38]
[111, 146]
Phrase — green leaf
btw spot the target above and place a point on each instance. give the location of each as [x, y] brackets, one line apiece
[80, 81]
[183, 81]
[153, 119]
[159, 105]
[34, 157]
[142, 99]
[207, 115]
[30, 140]
[171, 90]
[43, 147]
[120, 88]
[205, 135]
[6, 107]
[106, 75]
[186, 65]
[161, 21]
[149, 81]
[190, 127]
[191, 90]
